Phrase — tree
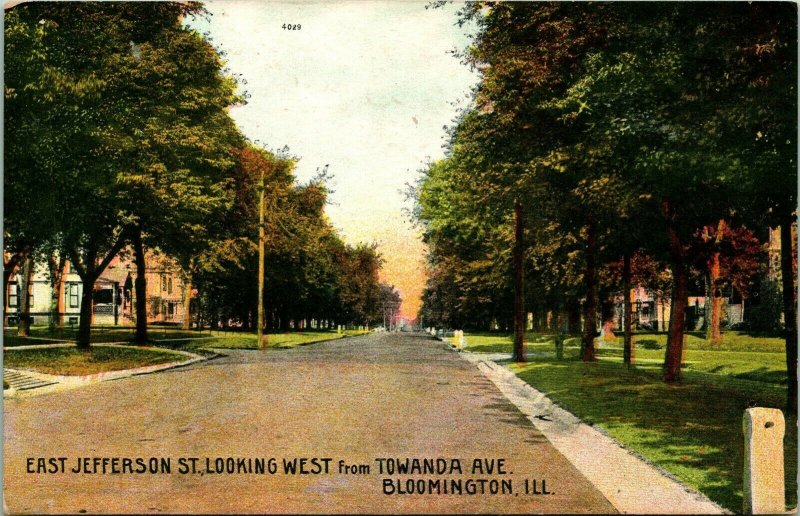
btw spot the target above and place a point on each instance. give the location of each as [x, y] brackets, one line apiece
[730, 257]
[136, 113]
[626, 115]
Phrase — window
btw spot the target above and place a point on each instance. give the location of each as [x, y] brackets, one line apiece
[169, 285]
[170, 310]
[72, 295]
[13, 295]
[14, 292]
[163, 282]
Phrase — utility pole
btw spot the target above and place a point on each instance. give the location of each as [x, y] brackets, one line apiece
[519, 286]
[262, 338]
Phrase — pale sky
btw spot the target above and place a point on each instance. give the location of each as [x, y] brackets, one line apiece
[363, 86]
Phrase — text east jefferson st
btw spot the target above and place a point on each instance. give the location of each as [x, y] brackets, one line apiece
[185, 465]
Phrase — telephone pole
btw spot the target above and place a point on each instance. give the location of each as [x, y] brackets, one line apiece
[262, 338]
[519, 286]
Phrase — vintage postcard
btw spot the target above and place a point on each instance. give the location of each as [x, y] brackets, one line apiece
[400, 257]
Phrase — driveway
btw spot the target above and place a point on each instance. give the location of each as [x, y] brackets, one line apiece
[358, 400]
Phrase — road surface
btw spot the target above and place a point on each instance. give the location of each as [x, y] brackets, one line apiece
[357, 400]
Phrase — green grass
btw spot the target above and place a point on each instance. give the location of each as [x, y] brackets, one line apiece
[747, 365]
[100, 334]
[174, 338]
[743, 356]
[355, 333]
[72, 361]
[693, 430]
[240, 340]
[732, 341]
[501, 343]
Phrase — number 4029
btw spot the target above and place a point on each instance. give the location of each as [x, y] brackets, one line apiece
[291, 26]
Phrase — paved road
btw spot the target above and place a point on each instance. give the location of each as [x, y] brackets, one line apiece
[358, 399]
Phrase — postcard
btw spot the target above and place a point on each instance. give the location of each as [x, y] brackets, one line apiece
[395, 257]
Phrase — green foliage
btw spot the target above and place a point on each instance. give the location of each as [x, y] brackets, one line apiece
[310, 273]
[119, 126]
[621, 118]
[766, 314]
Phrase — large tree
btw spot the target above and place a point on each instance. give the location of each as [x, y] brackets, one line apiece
[122, 114]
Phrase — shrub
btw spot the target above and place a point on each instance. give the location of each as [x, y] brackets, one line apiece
[649, 344]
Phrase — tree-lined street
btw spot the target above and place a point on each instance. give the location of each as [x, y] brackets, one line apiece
[243, 197]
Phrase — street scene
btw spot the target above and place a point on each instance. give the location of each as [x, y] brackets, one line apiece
[400, 257]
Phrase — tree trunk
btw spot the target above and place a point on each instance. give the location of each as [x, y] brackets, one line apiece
[789, 311]
[573, 317]
[24, 311]
[714, 321]
[187, 301]
[87, 298]
[608, 320]
[590, 308]
[140, 285]
[56, 266]
[519, 286]
[89, 270]
[628, 351]
[261, 335]
[743, 299]
[680, 291]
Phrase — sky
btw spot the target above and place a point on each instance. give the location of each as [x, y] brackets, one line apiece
[364, 87]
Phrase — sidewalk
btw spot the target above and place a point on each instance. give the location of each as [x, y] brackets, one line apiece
[632, 485]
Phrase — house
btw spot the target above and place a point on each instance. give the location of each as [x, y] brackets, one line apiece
[114, 294]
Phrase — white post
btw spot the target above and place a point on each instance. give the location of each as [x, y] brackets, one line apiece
[764, 429]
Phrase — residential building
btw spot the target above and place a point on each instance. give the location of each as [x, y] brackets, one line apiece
[114, 294]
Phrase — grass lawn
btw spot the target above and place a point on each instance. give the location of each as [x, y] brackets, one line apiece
[501, 343]
[176, 338]
[742, 356]
[72, 361]
[239, 340]
[355, 333]
[693, 430]
[100, 334]
[747, 365]
[732, 341]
